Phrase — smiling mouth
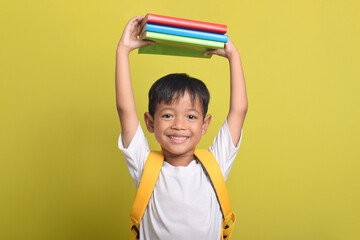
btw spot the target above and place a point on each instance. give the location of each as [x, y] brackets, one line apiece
[177, 139]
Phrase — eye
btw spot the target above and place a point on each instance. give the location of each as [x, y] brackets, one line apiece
[191, 117]
[166, 116]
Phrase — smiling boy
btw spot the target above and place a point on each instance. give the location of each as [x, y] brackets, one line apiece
[183, 204]
[177, 109]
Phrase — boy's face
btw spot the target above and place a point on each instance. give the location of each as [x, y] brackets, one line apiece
[178, 126]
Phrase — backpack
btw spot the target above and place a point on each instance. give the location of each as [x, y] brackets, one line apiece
[149, 178]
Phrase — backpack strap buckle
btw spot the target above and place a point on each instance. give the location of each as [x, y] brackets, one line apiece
[136, 231]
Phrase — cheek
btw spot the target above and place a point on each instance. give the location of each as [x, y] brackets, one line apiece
[159, 130]
[158, 136]
[199, 130]
[156, 131]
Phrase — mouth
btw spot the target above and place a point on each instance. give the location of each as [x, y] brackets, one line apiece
[178, 139]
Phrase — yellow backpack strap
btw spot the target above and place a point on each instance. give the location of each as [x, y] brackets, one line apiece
[213, 169]
[148, 180]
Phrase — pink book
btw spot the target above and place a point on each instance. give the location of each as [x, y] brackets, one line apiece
[184, 23]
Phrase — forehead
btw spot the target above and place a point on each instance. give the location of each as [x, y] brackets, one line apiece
[185, 101]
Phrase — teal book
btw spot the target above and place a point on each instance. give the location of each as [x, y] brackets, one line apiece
[166, 44]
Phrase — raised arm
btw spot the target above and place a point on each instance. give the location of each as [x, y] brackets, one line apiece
[238, 97]
[124, 94]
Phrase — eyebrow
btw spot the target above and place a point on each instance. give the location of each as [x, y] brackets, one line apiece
[166, 109]
[193, 110]
[189, 109]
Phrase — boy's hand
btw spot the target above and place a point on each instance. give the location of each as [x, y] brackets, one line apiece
[228, 52]
[129, 40]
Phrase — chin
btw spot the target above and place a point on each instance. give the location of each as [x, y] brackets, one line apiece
[177, 151]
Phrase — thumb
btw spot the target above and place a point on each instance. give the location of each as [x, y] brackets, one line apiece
[145, 43]
[210, 52]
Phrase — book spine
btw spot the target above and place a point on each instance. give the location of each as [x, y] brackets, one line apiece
[174, 38]
[186, 33]
[187, 24]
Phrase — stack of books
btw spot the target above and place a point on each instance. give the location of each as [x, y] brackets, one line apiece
[180, 37]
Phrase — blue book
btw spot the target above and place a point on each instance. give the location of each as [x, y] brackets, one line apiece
[184, 32]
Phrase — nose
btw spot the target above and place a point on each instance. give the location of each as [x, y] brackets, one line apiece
[178, 124]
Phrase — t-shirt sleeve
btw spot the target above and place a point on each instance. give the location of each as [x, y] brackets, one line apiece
[135, 154]
[224, 150]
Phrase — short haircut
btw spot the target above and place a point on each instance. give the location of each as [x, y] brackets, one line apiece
[173, 86]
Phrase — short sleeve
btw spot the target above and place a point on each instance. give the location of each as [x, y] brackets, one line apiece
[224, 150]
[135, 154]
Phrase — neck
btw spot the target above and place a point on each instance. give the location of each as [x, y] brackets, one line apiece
[178, 160]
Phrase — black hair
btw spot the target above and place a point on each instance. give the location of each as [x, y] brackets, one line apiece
[173, 86]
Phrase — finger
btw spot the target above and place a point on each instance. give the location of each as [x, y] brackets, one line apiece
[145, 43]
[133, 24]
[148, 42]
[135, 20]
[210, 52]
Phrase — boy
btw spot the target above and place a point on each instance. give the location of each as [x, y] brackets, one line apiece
[183, 204]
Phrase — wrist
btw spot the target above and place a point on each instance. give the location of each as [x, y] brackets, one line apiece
[234, 55]
[121, 50]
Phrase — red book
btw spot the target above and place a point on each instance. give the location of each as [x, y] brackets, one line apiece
[184, 23]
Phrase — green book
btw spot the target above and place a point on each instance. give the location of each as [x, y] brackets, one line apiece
[166, 44]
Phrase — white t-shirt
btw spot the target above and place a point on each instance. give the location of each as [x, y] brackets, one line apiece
[183, 204]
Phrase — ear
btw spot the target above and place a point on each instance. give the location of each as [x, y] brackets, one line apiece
[149, 120]
[206, 123]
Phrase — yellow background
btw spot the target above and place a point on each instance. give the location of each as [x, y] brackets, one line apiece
[296, 175]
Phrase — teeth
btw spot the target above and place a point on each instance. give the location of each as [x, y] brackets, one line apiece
[178, 138]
